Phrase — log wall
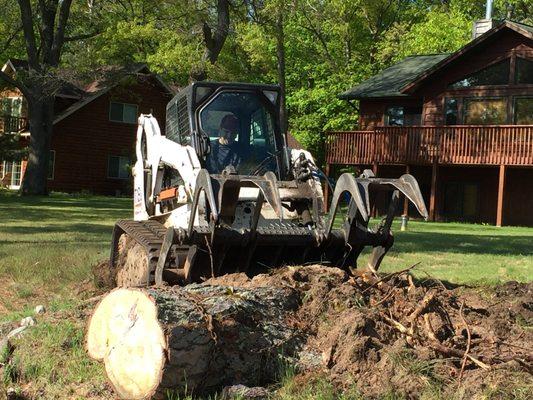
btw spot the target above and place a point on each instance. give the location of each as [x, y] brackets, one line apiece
[85, 140]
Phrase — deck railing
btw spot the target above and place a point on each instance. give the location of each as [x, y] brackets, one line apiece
[461, 144]
[9, 124]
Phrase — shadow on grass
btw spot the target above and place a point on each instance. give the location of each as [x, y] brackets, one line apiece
[15, 208]
[41, 216]
[429, 242]
[93, 229]
[100, 202]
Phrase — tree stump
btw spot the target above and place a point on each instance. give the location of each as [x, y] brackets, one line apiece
[195, 339]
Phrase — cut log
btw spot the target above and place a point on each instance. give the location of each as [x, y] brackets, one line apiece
[195, 339]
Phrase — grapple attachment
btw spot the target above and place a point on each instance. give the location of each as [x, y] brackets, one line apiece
[243, 223]
[354, 230]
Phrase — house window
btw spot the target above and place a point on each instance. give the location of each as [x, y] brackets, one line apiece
[485, 111]
[451, 111]
[523, 110]
[403, 116]
[51, 164]
[394, 116]
[118, 167]
[11, 106]
[495, 74]
[13, 171]
[524, 71]
[461, 200]
[122, 112]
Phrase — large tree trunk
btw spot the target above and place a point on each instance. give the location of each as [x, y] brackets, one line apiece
[194, 339]
[41, 115]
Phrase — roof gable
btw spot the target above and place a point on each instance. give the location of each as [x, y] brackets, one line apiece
[64, 88]
[520, 28]
[402, 78]
[98, 88]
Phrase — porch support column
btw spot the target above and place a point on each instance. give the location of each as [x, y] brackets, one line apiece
[501, 188]
[405, 200]
[433, 197]
[326, 188]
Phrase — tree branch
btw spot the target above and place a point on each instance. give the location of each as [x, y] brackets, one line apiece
[11, 38]
[311, 28]
[14, 82]
[48, 11]
[29, 34]
[59, 38]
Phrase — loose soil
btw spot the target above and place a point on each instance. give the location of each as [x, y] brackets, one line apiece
[392, 334]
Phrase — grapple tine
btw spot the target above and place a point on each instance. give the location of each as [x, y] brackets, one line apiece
[203, 184]
[268, 185]
[346, 183]
[412, 191]
[408, 185]
[228, 197]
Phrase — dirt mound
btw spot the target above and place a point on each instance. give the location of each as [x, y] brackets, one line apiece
[393, 334]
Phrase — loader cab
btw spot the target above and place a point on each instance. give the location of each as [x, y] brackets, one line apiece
[230, 124]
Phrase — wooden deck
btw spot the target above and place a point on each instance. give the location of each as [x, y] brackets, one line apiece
[10, 124]
[425, 145]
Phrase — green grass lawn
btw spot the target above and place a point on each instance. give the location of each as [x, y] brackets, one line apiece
[463, 253]
[48, 245]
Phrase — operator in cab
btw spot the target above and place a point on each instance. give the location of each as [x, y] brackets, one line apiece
[224, 150]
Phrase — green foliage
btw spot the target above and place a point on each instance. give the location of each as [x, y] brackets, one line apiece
[10, 149]
[443, 30]
[330, 45]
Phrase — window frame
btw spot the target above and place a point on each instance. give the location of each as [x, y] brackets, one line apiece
[12, 98]
[123, 104]
[461, 186]
[109, 169]
[515, 77]
[268, 105]
[387, 116]
[466, 99]
[511, 63]
[11, 165]
[459, 101]
[513, 105]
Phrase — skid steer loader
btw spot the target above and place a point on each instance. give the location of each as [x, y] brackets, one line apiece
[221, 192]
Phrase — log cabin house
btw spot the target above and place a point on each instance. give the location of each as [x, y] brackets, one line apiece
[94, 129]
[461, 123]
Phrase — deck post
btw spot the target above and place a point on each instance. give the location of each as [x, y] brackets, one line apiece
[326, 188]
[501, 187]
[433, 197]
[373, 209]
[405, 200]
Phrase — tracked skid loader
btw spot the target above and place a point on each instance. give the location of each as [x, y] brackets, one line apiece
[221, 192]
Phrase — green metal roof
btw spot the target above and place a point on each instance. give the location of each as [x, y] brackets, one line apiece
[389, 81]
